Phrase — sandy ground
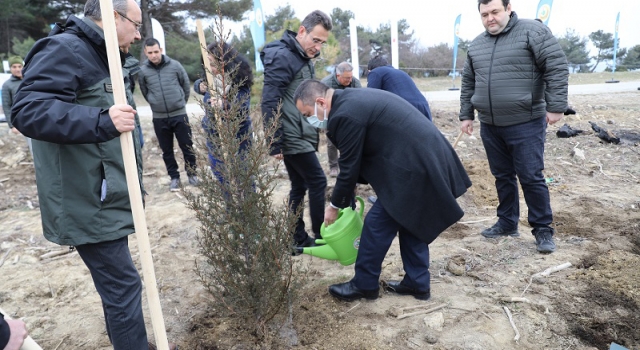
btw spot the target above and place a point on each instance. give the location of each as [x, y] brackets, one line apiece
[595, 196]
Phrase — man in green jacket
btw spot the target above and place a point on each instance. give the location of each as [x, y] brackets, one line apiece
[341, 79]
[66, 105]
[287, 62]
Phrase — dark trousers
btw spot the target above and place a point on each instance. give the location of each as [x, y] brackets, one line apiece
[377, 235]
[117, 281]
[332, 154]
[165, 128]
[518, 151]
[305, 173]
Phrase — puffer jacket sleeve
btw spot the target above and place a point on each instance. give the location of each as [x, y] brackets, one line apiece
[6, 103]
[467, 90]
[183, 78]
[551, 60]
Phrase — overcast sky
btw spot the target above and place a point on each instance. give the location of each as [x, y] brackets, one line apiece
[433, 21]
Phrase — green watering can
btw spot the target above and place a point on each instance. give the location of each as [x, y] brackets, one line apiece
[342, 238]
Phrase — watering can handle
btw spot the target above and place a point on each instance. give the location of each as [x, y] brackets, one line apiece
[361, 205]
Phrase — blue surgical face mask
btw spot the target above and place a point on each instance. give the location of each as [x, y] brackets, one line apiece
[314, 121]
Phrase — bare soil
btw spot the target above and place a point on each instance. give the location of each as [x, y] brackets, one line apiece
[595, 195]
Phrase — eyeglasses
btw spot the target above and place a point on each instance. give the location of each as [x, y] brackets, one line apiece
[138, 25]
[317, 41]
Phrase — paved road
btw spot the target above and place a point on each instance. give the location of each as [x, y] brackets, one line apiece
[573, 90]
[194, 108]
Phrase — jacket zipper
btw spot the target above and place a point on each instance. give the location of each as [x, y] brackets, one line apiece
[495, 44]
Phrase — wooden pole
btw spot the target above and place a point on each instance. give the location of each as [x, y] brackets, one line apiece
[205, 55]
[133, 184]
[29, 343]
[209, 75]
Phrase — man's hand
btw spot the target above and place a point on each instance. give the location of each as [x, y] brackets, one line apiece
[15, 131]
[18, 333]
[467, 127]
[122, 117]
[278, 156]
[330, 215]
[553, 118]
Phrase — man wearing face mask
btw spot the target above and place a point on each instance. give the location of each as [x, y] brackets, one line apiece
[287, 62]
[417, 181]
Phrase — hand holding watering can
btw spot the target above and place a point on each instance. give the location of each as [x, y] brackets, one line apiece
[341, 239]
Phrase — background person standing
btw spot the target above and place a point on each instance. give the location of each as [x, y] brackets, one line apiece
[9, 90]
[342, 78]
[287, 62]
[516, 77]
[384, 77]
[165, 85]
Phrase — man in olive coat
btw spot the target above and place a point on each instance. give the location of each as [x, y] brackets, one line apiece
[386, 142]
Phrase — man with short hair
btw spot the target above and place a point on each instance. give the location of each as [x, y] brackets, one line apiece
[341, 79]
[9, 90]
[516, 78]
[287, 62]
[66, 106]
[418, 180]
[164, 83]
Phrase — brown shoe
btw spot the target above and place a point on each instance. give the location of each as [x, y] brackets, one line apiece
[172, 346]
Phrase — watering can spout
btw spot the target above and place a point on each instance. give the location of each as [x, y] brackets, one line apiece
[322, 251]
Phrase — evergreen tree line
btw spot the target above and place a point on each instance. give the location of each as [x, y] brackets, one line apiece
[23, 22]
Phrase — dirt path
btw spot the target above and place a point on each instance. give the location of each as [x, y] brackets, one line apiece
[597, 216]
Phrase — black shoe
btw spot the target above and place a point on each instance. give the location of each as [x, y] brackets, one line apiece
[308, 242]
[299, 247]
[348, 292]
[544, 240]
[496, 231]
[398, 288]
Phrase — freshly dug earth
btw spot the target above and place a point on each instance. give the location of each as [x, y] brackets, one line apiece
[595, 196]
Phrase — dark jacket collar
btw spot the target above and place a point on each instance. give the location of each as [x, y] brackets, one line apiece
[86, 28]
[289, 38]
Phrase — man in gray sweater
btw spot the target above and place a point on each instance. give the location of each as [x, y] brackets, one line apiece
[165, 85]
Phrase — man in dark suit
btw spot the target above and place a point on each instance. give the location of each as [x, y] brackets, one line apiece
[386, 142]
[384, 77]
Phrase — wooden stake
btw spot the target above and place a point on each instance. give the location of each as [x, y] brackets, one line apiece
[205, 55]
[29, 343]
[133, 185]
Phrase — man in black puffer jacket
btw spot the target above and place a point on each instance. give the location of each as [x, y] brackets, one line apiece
[516, 77]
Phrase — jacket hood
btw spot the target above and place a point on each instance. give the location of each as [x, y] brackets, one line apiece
[289, 38]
